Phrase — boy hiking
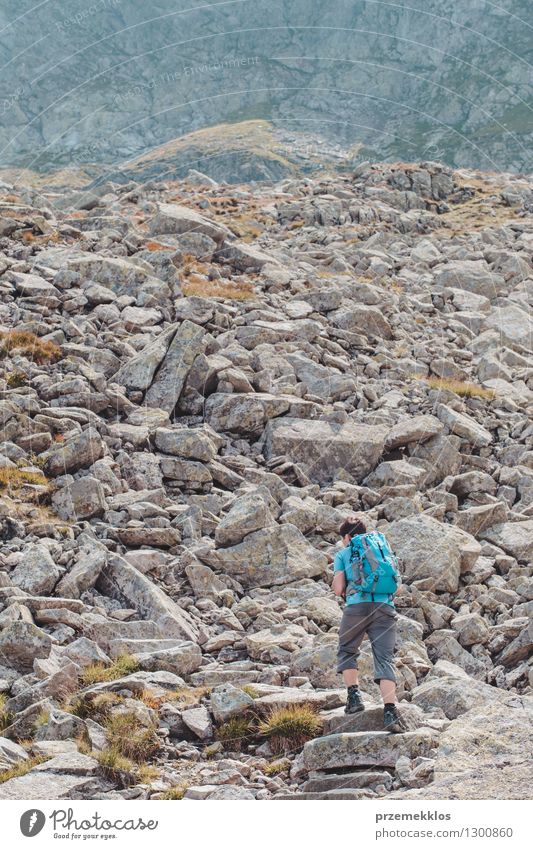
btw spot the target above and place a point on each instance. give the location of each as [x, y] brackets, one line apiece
[365, 575]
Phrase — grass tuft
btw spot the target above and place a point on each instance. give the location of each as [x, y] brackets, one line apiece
[16, 379]
[461, 387]
[290, 727]
[276, 767]
[187, 696]
[21, 768]
[177, 792]
[126, 735]
[236, 732]
[30, 346]
[96, 673]
[5, 716]
[115, 766]
[95, 706]
[13, 478]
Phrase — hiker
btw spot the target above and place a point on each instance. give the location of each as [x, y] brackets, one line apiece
[365, 575]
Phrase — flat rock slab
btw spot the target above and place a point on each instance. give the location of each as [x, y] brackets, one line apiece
[47, 785]
[120, 580]
[326, 450]
[331, 794]
[294, 696]
[348, 781]
[368, 748]
[371, 719]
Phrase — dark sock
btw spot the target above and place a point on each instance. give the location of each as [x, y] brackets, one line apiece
[390, 704]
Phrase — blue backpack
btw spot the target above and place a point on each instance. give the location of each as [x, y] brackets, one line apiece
[373, 567]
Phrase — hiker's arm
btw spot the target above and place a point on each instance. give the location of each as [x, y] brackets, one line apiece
[339, 583]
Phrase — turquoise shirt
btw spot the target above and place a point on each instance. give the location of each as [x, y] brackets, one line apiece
[342, 560]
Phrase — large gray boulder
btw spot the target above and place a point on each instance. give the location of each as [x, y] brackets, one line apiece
[83, 498]
[83, 574]
[227, 701]
[455, 695]
[360, 318]
[515, 538]
[241, 412]
[248, 513]
[118, 579]
[325, 383]
[368, 748]
[170, 378]
[472, 275]
[181, 659]
[138, 372]
[412, 430]
[36, 571]
[326, 451]
[175, 219]
[21, 643]
[464, 426]
[429, 549]
[483, 754]
[513, 324]
[77, 452]
[189, 443]
[268, 557]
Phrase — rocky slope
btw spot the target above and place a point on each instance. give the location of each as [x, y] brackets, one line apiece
[199, 383]
[100, 82]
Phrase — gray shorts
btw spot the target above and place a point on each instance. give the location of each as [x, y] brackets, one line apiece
[378, 620]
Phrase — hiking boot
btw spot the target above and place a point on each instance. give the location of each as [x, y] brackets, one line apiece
[354, 703]
[392, 720]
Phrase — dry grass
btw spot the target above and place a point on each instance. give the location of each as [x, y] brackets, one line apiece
[276, 767]
[250, 690]
[149, 698]
[196, 282]
[175, 793]
[98, 672]
[14, 479]
[16, 379]
[187, 696]
[5, 716]
[96, 706]
[130, 738]
[30, 346]
[151, 245]
[41, 719]
[21, 768]
[289, 728]
[460, 387]
[241, 291]
[115, 766]
[235, 733]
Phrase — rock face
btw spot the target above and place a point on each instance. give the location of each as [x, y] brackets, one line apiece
[326, 450]
[204, 384]
[430, 550]
[367, 748]
[36, 571]
[169, 379]
[268, 557]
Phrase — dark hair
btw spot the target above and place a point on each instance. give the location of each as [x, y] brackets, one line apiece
[352, 527]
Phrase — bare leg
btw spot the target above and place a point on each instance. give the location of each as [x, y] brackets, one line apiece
[351, 677]
[388, 691]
